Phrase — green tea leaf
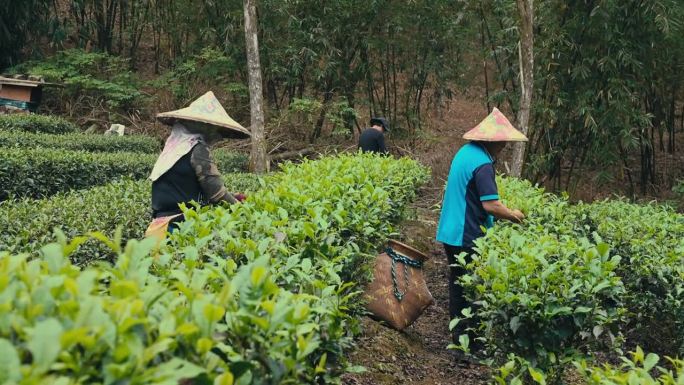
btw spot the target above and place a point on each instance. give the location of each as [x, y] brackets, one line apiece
[45, 344]
[9, 363]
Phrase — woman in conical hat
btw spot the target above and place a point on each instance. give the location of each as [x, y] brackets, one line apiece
[471, 200]
[185, 171]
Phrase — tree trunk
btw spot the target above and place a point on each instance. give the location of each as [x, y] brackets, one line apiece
[258, 160]
[525, 7]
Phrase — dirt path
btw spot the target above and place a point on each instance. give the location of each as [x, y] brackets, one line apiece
[419, 354]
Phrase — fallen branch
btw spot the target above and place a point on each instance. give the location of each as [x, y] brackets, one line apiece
[292, 154]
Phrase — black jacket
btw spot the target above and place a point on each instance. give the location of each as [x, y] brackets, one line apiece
[372, 140]
[194, 177]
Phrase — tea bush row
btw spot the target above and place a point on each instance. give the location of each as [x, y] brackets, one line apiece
[637, 368]
[320, 223]
[81, 142]
[27, 224]
[264, 292]
[568, 281]
[41, 172]
[36, 123]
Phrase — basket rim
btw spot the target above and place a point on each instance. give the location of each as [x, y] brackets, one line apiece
[419, 254]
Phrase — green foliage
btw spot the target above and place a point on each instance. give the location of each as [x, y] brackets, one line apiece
[307, 107]
[230, 161]
[518, 371]
[388, 53]
[210, 68]
[560, 286]
[544, 297]
[90, 80]
[318, 221]
[678, 188]
[36, 124]
[255, 293]
[82, 142]
[18, 21]
[650, 238]
[637, 370]
[607, 78]
[42, 172]
[341, 116]
[146, 327]
[28, 223]
[301, 116]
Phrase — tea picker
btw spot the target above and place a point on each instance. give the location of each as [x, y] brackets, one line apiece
[471, 202]
[185, 171]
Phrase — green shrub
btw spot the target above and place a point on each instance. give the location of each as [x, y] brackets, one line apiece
[678, 188]
[229, 161]
[560, 286]
[210, 68]
[91, 80]
[320, 222]
[36, 124]
[639, 369]
[543, 297]
[130, 322]
[37, 173]
[83, 142]
[636, 370]
[650, 237]
[40, 172]
[28, 224]
[264, 292]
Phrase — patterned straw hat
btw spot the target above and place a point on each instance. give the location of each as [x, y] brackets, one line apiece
[495, 128]
[206, 109]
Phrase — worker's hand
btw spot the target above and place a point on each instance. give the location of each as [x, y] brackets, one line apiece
[518, 215]
[240, 197]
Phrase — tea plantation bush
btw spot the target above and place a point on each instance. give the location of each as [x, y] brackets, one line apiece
[229, 161]
[639, 369]
[28, 224]
[564, 284]
[257, 293]
[651, 240]
[81, 142]
[319, 223]
[41, 172]
[36, 124]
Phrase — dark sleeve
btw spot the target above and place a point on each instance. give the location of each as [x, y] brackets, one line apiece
[485, 182]
[208, 175]
[381, 144]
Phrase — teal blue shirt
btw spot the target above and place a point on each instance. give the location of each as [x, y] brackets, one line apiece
[471, 181]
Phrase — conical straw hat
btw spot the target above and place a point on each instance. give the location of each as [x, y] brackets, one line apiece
[206, 109]
[495, 128]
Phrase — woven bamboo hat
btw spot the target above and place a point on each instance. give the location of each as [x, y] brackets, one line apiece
[495, 128]
[206, 109]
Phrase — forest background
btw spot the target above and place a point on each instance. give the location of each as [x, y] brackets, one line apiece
[608, 100]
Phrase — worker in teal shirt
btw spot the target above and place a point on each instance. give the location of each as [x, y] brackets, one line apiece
[471, 202]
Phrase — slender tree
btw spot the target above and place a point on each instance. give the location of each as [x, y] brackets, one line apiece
[259, 157]
[526, 52]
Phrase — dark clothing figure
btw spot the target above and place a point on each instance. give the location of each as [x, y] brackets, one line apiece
[185, 171]
[457, 301]
[372, 140]
[194, 177]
